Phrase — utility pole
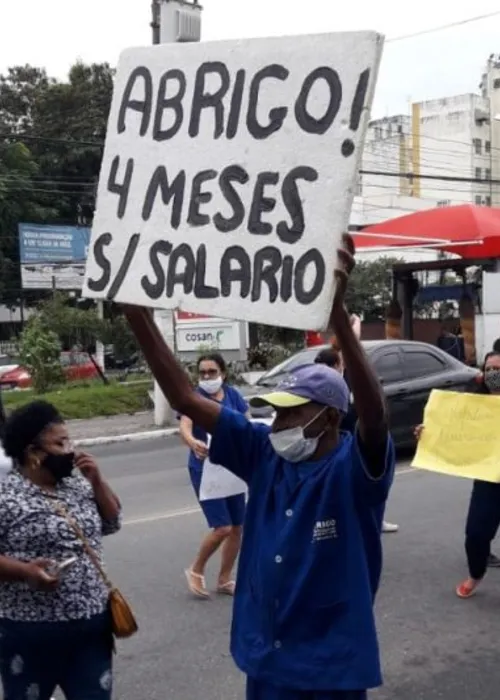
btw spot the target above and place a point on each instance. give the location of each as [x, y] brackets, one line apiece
[172, 21]
[155, 21]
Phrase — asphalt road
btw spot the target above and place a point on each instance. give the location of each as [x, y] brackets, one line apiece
[434, 645]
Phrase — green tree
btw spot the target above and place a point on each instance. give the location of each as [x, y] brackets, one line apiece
[19, 201]
[50, 153]
[117, 333]
[74, 326]
[20, 91]
[74, 114]
[39, 351]
[370, 287]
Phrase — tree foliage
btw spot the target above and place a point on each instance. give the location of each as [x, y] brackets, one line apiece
[117, 333]
[51, 133]
[74, 326]
[80, 326]
[39, 351]
[370, 287]
[19, 201]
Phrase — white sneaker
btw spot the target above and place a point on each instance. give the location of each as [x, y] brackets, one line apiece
[389, 527]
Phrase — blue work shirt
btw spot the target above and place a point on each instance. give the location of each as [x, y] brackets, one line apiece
[303, 610]
[371, 535]
[232, 400]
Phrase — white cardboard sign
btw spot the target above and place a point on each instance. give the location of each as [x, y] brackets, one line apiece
[219, 482]
[228, 172]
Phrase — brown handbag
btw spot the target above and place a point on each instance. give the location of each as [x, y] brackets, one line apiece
[123, 620]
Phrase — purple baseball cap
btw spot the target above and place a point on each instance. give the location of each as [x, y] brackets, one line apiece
[317, 383]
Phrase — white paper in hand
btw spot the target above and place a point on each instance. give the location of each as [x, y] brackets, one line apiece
[219, 482]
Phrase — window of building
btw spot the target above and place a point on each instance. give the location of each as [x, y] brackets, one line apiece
[496, 83]
[443, 202]
[478, 174]
[487, 146]
[487, 200]
[477, 143]
[487, 174]
[478, 200]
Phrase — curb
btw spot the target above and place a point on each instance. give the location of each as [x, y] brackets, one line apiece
[136, 437]
[130, 437]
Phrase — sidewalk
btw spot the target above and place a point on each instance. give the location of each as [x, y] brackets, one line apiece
[121, 428]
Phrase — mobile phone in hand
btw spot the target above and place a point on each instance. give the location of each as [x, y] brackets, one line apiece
[60, 568]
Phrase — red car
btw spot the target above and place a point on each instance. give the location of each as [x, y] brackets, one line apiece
[76, 366]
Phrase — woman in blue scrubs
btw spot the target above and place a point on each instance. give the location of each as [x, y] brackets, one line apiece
[224, 515]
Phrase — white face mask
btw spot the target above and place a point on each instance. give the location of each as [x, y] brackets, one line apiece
[293, 445]
[211, 386]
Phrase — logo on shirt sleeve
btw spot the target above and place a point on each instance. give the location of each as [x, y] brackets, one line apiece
[325, 530]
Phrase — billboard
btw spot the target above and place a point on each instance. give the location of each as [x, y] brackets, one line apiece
[53, 257]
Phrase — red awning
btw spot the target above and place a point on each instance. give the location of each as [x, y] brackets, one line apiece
[468, 231]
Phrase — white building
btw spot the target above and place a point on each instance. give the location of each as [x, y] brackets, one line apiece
[444, 140]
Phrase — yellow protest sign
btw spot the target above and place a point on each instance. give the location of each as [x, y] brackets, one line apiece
[461, 436]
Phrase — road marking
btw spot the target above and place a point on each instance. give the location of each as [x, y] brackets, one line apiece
[196, 509]
[163, 516]
[406, 470]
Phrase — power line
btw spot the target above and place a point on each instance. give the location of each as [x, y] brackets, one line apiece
[420, 176]
[66, 142]
[442, 27]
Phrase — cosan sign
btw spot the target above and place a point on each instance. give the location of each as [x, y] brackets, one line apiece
[194, 331]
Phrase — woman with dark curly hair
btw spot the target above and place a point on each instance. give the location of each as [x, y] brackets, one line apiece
[55, 628]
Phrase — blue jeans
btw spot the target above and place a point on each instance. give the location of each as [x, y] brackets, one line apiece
[258, 690]
[483, 521]
[37, 657]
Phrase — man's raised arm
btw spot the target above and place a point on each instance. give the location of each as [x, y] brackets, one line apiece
[168, 372]
[369, 400]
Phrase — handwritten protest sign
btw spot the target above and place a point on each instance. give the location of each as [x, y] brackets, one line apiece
[228, 175]
[461, 436]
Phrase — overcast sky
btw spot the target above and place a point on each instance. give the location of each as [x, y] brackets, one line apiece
[55, 33]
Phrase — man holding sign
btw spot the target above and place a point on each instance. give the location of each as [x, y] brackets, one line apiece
[311, 557]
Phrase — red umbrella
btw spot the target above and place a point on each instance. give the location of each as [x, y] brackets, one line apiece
[468, 231]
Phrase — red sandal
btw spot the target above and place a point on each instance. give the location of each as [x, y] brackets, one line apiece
[467, 588]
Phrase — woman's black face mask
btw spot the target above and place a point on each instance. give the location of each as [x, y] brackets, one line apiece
[60, 466]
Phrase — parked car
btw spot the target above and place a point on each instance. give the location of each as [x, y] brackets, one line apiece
[408, 371]
[7, 364]
[112, 361]
[75, 365]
